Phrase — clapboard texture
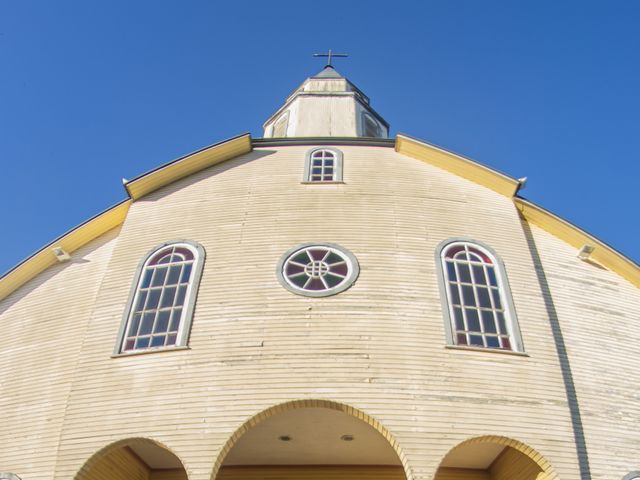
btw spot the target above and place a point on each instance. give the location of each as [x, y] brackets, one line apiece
[599, 314]
[121, 464]
[512, 465]
[43, 327]
[379, 346]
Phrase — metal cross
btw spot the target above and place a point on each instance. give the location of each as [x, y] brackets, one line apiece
[330, 55]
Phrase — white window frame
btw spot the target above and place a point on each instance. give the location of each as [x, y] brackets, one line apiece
[515, 337]
[337, 167]
[189, 300]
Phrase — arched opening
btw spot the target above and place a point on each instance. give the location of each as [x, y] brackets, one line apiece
[309, 440]
[133, 459]
[494, 458]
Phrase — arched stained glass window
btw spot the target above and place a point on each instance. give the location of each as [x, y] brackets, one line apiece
[323, 165]
[478, 301]
[161, 304]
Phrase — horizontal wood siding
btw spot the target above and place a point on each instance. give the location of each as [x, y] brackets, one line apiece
[120, 464]
[379, 346]
[599, 313]
[513, 465]
[43, 327]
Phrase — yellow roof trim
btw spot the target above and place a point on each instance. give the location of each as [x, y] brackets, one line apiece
[182, 167]
[188, 165]
[115, 216]
[69, 242]
[603, 254]
[460, 166]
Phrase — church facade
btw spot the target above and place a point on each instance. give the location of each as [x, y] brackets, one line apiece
[324, 301]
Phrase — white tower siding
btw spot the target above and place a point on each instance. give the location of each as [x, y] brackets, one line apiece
[325, 107]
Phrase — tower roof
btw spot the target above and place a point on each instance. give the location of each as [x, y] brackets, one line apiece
[328, 72]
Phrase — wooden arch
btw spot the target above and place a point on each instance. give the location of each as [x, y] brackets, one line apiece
[548, 472]
[85, 470]
[296, 404]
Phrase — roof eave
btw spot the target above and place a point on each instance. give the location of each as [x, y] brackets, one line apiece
[187, 165]
[114, 216]
[69, 241]
[458, 165]
[292, 141]
[603, 254]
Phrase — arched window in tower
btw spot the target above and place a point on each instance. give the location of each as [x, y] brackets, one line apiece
[476, 297]
[280, 127]
[161, 302]
[323, 165]
[370, 127]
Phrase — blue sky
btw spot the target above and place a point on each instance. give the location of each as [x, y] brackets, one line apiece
[91, 92]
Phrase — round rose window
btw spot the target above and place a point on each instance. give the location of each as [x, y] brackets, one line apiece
[317, 269]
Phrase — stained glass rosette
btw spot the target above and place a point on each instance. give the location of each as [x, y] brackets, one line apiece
[317, 270]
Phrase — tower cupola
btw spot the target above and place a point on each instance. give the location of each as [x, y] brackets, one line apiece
[326, 105]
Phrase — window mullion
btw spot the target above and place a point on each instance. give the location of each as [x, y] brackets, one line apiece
[456, 264]
[163, 291]
[494, 309]
[476, 298]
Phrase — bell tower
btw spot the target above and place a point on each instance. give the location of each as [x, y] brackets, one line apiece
[326, 105]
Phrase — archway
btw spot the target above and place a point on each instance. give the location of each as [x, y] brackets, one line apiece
[308, 440]
[133, 459]
[494, 458]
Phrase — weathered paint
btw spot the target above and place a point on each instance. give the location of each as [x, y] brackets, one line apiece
[378, 347]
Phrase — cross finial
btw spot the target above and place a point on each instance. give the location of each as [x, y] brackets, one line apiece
[330, 55]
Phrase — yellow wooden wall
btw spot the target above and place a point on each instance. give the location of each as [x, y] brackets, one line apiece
[312, 472]
[599, 314]
[123, 464]
[379, 346]
[509, 465]
[169, 474]
[120, 464]
[43, 327]
[513, 465]
[462, 474]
